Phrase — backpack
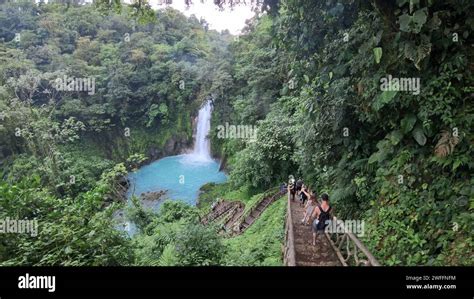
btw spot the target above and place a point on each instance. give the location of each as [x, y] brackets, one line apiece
[323, 218]
[303, 196]
[299, 184]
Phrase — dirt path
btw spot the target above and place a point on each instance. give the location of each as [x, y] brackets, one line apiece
[306, 254]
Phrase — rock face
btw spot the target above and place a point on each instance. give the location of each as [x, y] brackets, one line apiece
[173, 146]
[152, 195]
[223, 164]
[148, 199]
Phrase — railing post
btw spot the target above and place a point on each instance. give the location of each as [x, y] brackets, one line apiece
[350, 237]
[289, 254]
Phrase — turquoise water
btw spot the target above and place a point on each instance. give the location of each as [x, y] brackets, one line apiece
[181, 175]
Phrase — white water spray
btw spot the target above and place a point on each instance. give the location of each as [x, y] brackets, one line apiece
[202, 150]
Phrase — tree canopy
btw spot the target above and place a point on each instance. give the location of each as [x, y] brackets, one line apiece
[370, 102]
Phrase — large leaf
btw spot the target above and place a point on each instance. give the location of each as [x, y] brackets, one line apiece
[415, 22]
[404, 21]
[408, 122]
[417, 53]
[419, 18]
[395, 137]
[374, 158]
[377, 54]
[419, 135]
[383, 99]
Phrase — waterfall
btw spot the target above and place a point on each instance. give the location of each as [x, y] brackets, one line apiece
[202, 145]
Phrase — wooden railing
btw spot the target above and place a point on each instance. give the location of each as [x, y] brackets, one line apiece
[289, 258]
[218, 213]
[273, 196]
[349, 249]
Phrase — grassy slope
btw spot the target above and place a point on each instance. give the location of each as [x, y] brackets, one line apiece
[261, 244]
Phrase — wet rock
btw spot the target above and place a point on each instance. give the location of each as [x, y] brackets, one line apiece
[152, 195]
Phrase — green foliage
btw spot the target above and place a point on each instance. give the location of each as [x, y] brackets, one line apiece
[174, 237]
[168, 257]
[413, 23]
[137, 68]
[157, 248]
[176, 210]
[135, 160]
[269, 158]
[400, 160]
[70, 233]
[198, 245]
[261, 244]
[78, 146]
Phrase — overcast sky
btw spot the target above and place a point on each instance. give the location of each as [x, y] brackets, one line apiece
[233, 20]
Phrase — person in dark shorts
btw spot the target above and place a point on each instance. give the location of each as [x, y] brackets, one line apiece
[298, 185]
[305, 194]
[322, 215]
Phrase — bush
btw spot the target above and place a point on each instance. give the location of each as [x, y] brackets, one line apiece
[198, 245]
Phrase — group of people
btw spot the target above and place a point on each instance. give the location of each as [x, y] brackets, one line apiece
[317, 213]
